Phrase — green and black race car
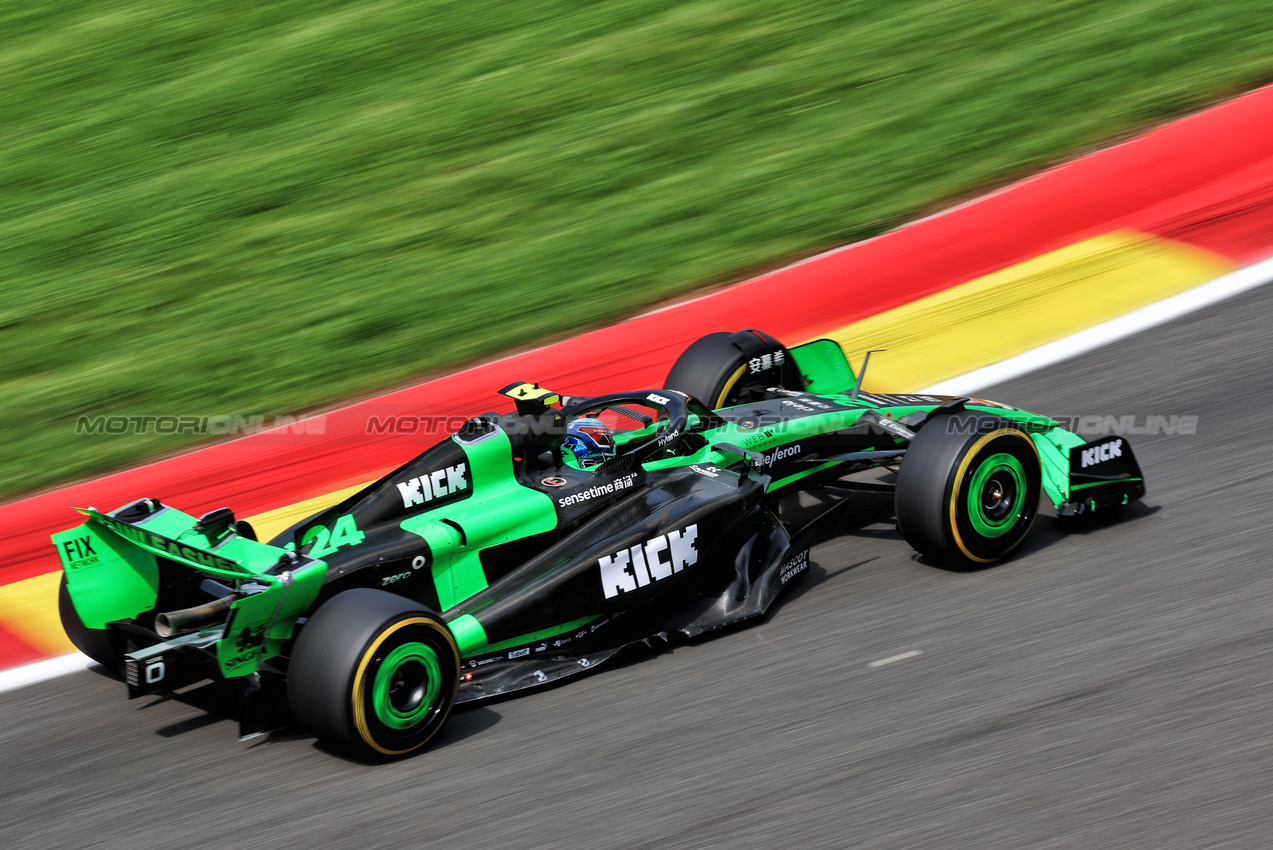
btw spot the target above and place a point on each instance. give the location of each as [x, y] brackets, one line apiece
[528, 547]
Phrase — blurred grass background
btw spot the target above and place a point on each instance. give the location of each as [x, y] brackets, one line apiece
[233, 208]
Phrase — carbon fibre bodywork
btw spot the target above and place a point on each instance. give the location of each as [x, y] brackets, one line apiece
[539, 567]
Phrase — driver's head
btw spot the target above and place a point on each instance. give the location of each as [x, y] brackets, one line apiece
[590, 440]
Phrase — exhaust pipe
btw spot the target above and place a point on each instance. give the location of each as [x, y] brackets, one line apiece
[193, 619]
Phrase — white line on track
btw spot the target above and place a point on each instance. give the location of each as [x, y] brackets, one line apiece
[894, 658]
[42, 671]
[1082, 342]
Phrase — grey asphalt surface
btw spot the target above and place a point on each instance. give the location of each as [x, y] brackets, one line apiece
[1108, 687]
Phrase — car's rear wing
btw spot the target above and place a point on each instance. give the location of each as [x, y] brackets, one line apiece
[113, 567]
[211, 544]
[199, 552]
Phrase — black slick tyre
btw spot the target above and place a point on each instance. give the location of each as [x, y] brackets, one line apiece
[373, 672]
[726, 369]
[968, 489]
[97, 644]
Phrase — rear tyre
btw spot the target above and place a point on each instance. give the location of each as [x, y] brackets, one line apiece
[968, 490]
[726, 369]
[97, 644]
[373, 672]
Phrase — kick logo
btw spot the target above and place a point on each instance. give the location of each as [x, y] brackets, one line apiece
[639, 565]
[434, 485]
[1102, 453]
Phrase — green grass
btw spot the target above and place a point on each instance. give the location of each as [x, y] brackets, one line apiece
[232, 207]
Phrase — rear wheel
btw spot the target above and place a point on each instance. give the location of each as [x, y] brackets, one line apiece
[97, 644]
[968, 490]
[375, 672]
[725, 369]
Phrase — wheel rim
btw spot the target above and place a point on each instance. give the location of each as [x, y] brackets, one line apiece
[995, 495]
[406, 686]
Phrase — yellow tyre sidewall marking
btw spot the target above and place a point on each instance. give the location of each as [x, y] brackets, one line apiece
[359, 690]
[958, 485]
[729, 385]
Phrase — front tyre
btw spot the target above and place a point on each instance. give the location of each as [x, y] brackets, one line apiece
[373, 671]
[968, 489]
[727, 369]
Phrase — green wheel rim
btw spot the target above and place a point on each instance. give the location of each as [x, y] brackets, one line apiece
[995, 494]
[406, 686]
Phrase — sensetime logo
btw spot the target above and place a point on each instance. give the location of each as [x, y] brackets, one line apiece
[657, 558]
[605, 488]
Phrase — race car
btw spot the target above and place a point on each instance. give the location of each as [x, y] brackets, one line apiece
[534, 545]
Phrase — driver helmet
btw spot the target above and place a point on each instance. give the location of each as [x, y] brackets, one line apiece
[591, 441]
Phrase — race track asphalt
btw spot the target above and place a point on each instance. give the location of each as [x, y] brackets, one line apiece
[1108, 687]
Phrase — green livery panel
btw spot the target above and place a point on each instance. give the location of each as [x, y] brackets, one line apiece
[507, 556]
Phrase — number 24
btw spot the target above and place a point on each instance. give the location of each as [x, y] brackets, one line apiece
[344, 533]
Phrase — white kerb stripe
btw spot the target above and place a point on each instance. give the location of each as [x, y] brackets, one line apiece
[42, 671]
[1045, 355]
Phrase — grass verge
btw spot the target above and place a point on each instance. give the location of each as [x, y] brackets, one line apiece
[232, 208]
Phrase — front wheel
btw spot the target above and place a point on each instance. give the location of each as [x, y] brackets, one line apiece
[728, 369]
[968, 490]
[375, 672]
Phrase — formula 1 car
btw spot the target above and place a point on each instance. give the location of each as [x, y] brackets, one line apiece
[510, 555]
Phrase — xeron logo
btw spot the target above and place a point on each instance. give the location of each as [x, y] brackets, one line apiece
[781, 453]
